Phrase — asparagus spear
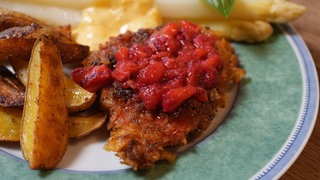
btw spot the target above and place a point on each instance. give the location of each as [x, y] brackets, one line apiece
[237, 30]
[278, 11]
[247, 31]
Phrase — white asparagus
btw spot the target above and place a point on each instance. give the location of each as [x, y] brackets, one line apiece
[246, 31]
[74, 4]
[278, 11]
[236, 30]
[249, 20]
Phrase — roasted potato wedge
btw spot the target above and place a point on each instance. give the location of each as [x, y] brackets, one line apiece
[20, 48]
[44, 133]
[60, 33]
[20, 32]
[77, 98]
[17, 41]
[20, 67]
[17, 22]
[11, 89]
[79, 126]
[10, 123]
[72, 52]
[9, 18]
[15, 48]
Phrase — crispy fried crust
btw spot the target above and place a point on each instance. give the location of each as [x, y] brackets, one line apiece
[140, 137]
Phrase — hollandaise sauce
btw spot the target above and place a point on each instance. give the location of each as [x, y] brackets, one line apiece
[110, 18]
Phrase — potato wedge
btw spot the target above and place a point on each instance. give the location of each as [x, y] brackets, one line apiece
[10, 123]
[72, 52]
[44, 132]
[15, 48]
[77, 98]
[20, 48]
[60, 33]
[11, 89]
[18, 32]
[9, 18]
[79, 126]
[20, 67]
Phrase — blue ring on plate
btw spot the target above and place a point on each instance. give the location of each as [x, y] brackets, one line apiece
[308, 112]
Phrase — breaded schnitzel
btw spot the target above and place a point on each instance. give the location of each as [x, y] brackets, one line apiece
[160, 87]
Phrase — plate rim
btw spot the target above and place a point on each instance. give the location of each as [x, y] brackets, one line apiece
[306, 120]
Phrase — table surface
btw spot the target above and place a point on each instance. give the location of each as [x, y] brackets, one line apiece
[307, 166]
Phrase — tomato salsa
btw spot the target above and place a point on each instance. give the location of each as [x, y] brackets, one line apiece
[177, 62]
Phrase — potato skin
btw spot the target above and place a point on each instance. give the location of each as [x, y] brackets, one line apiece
[13, 48]
[44, 132]
[12, 90]
[11, 18]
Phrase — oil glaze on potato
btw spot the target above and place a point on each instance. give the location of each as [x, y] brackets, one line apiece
[10, 122]
[79, 125]
[44, 133]
[77, 98]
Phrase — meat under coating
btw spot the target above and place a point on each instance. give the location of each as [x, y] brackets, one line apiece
[141, 137]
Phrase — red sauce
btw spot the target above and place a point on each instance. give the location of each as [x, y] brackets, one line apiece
[175, 63]
[92, 78]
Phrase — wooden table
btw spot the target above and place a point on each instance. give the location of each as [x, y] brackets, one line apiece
[307, 166]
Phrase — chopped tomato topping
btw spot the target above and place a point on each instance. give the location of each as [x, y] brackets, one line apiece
[92, 78]
[177, 62]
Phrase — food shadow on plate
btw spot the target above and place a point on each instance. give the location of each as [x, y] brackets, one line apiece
[77, 147]
[158, 172]
[10, 145]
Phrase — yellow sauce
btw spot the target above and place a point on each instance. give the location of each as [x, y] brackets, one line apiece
[110, 18]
